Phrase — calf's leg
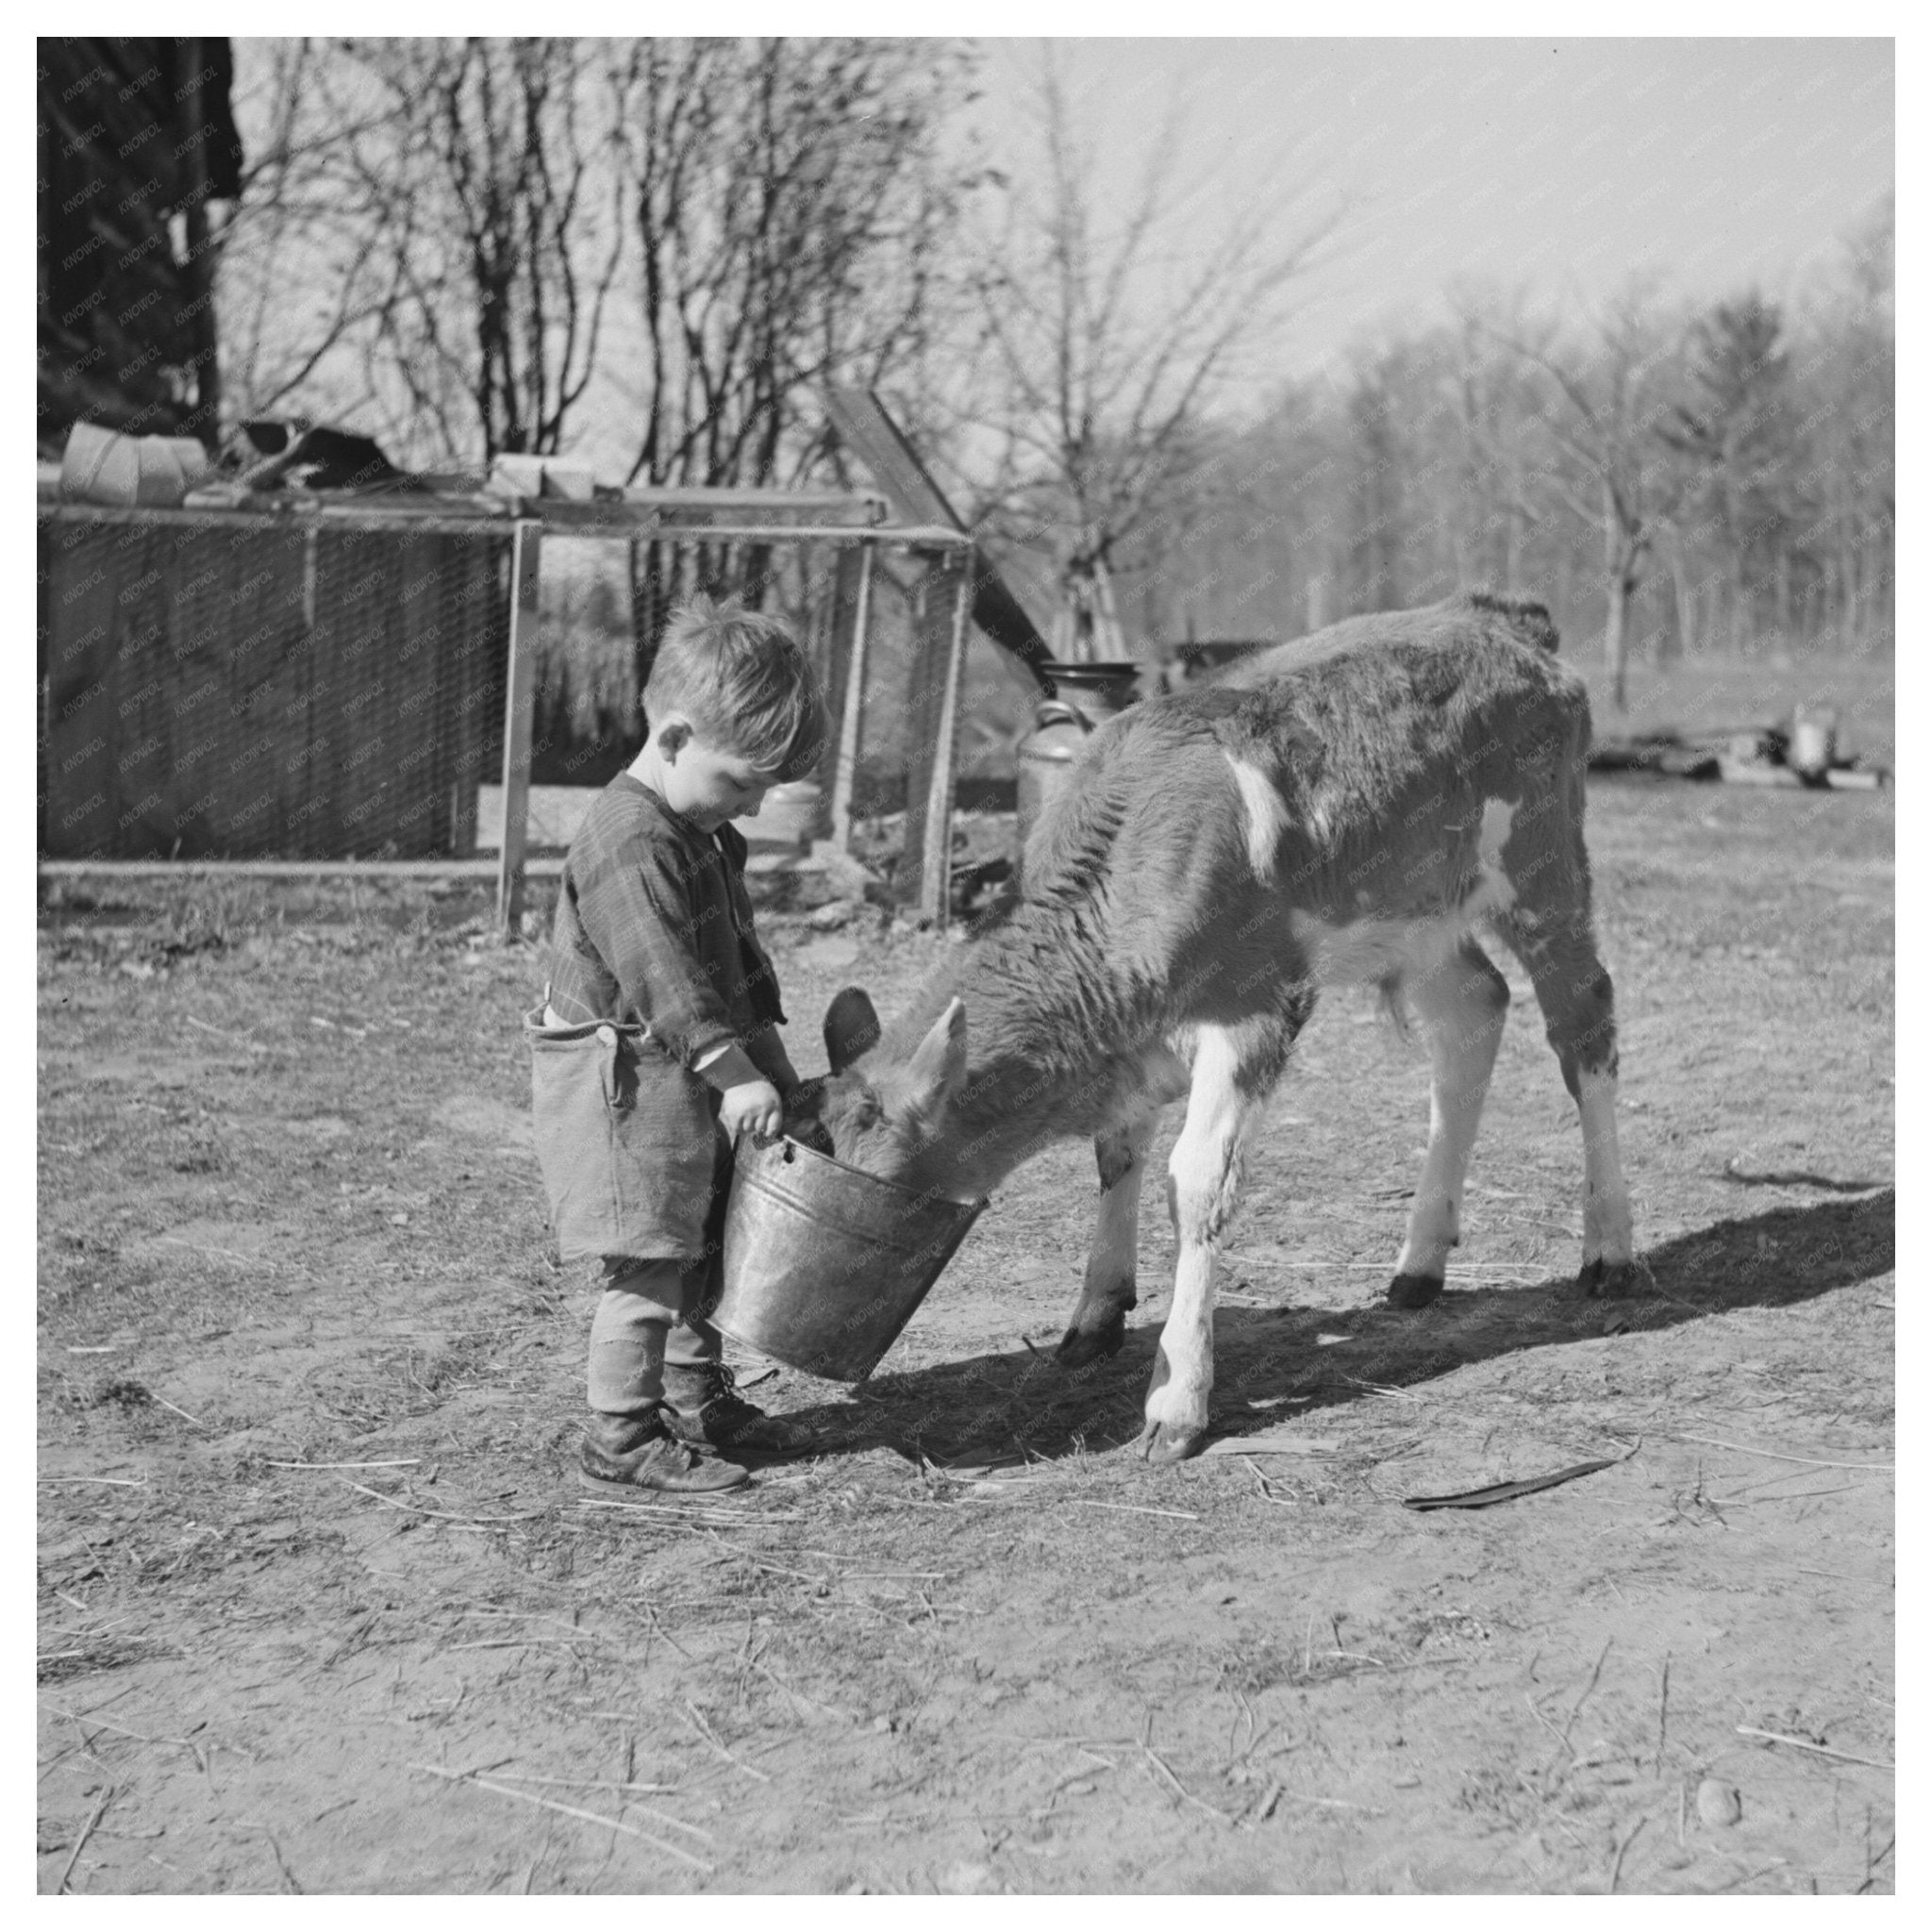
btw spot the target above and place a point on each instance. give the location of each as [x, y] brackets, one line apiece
[1100, 1318]
[1579, 1016]
[1461, 1002]
[1232, 1075]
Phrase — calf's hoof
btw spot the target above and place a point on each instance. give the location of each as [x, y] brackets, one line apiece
[1080, 1346]
[1415, 1290]
[1161, 1443]
[1616, 1281]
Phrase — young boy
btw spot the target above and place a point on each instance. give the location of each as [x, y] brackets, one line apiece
[657, 1043]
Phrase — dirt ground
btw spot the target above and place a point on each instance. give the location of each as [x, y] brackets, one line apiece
[321, 1610]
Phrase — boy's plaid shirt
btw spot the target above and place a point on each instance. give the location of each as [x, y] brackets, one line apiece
[653, 924]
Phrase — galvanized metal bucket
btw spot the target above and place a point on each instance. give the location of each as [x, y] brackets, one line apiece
[824, 1265]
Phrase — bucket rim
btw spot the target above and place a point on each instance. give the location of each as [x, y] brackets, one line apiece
[925, 1195]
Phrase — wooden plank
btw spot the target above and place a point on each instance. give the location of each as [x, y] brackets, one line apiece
[645, 508]
[619, 520]
[936, 868]
[864, 424]
[861, 506]
[164, 869]
[268, 511]
[845, 690]
[929, 705]
[519, 702]
[459, 518]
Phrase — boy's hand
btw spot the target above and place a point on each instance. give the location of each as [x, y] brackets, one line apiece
[754, 1104]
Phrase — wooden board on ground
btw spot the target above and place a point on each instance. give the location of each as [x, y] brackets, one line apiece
[556, 811]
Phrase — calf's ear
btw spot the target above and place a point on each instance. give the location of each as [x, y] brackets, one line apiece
[852, 1028]
[939, 1063]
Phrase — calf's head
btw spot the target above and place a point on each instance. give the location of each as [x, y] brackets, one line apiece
[889, 1119]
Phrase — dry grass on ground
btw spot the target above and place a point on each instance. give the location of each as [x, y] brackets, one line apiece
[289, 1221]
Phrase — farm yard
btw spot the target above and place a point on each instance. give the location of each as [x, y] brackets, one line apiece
[320, 1609]
[415, 418]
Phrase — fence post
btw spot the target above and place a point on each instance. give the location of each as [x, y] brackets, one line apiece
[526, 552]
[852, 708]
[937, 669]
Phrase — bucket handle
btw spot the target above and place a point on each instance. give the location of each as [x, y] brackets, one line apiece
[1058, 711]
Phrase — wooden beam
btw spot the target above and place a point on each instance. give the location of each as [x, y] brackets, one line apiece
[269, 509]
[936, 867]
[825, 505]
[159, 871]
[852, 708]
[672, 524]
[933, 715]
[866, 428]
[526, 553]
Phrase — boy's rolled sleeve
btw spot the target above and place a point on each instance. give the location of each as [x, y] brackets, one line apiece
[637, 913]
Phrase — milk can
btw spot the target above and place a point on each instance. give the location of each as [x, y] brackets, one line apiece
[1045, 755]
[1814, 742]
[1089, 694]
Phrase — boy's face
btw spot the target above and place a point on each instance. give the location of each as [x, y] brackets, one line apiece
[708, 783]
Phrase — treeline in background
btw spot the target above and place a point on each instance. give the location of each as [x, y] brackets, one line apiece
[651, 254]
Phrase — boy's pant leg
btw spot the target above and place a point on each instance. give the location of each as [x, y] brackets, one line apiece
[642, 1307]
[701, 1405]
[694, 1344]
[627, 1449]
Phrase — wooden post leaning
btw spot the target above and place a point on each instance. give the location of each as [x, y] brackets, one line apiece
[526, 553]
[852, 708]
[936, 873]
[940, 604]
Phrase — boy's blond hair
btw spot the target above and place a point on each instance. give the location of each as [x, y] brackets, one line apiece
[743, 682]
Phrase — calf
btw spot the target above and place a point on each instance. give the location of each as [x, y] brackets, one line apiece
[1347, 809]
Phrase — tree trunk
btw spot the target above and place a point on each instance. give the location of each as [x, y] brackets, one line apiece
[1685, 594]
[1616, 636]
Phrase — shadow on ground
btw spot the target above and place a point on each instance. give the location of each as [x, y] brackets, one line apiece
[1019, 1402]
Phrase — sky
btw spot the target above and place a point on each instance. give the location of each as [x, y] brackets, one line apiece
[1559, 167]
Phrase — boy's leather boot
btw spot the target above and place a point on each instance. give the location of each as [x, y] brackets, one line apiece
[702, 1407]
[625, 1455]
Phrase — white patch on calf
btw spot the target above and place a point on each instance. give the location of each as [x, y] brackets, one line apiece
[1367, 950]
[1494, 892]
[1204, 1178]
[1371, 949]
[1605, 1198]
[1462, 1014]
[1264, 815]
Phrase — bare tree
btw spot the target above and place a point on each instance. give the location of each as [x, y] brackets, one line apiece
[1109, 356]
[433, 235]
[790, 212]
[298, 259]
[497, 145]
[1608, 463]
[1847, 428]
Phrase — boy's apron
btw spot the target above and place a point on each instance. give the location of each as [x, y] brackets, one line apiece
[634, 1160]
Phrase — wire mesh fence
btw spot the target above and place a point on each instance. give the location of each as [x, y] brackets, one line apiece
[254, 685]
[229, 685]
